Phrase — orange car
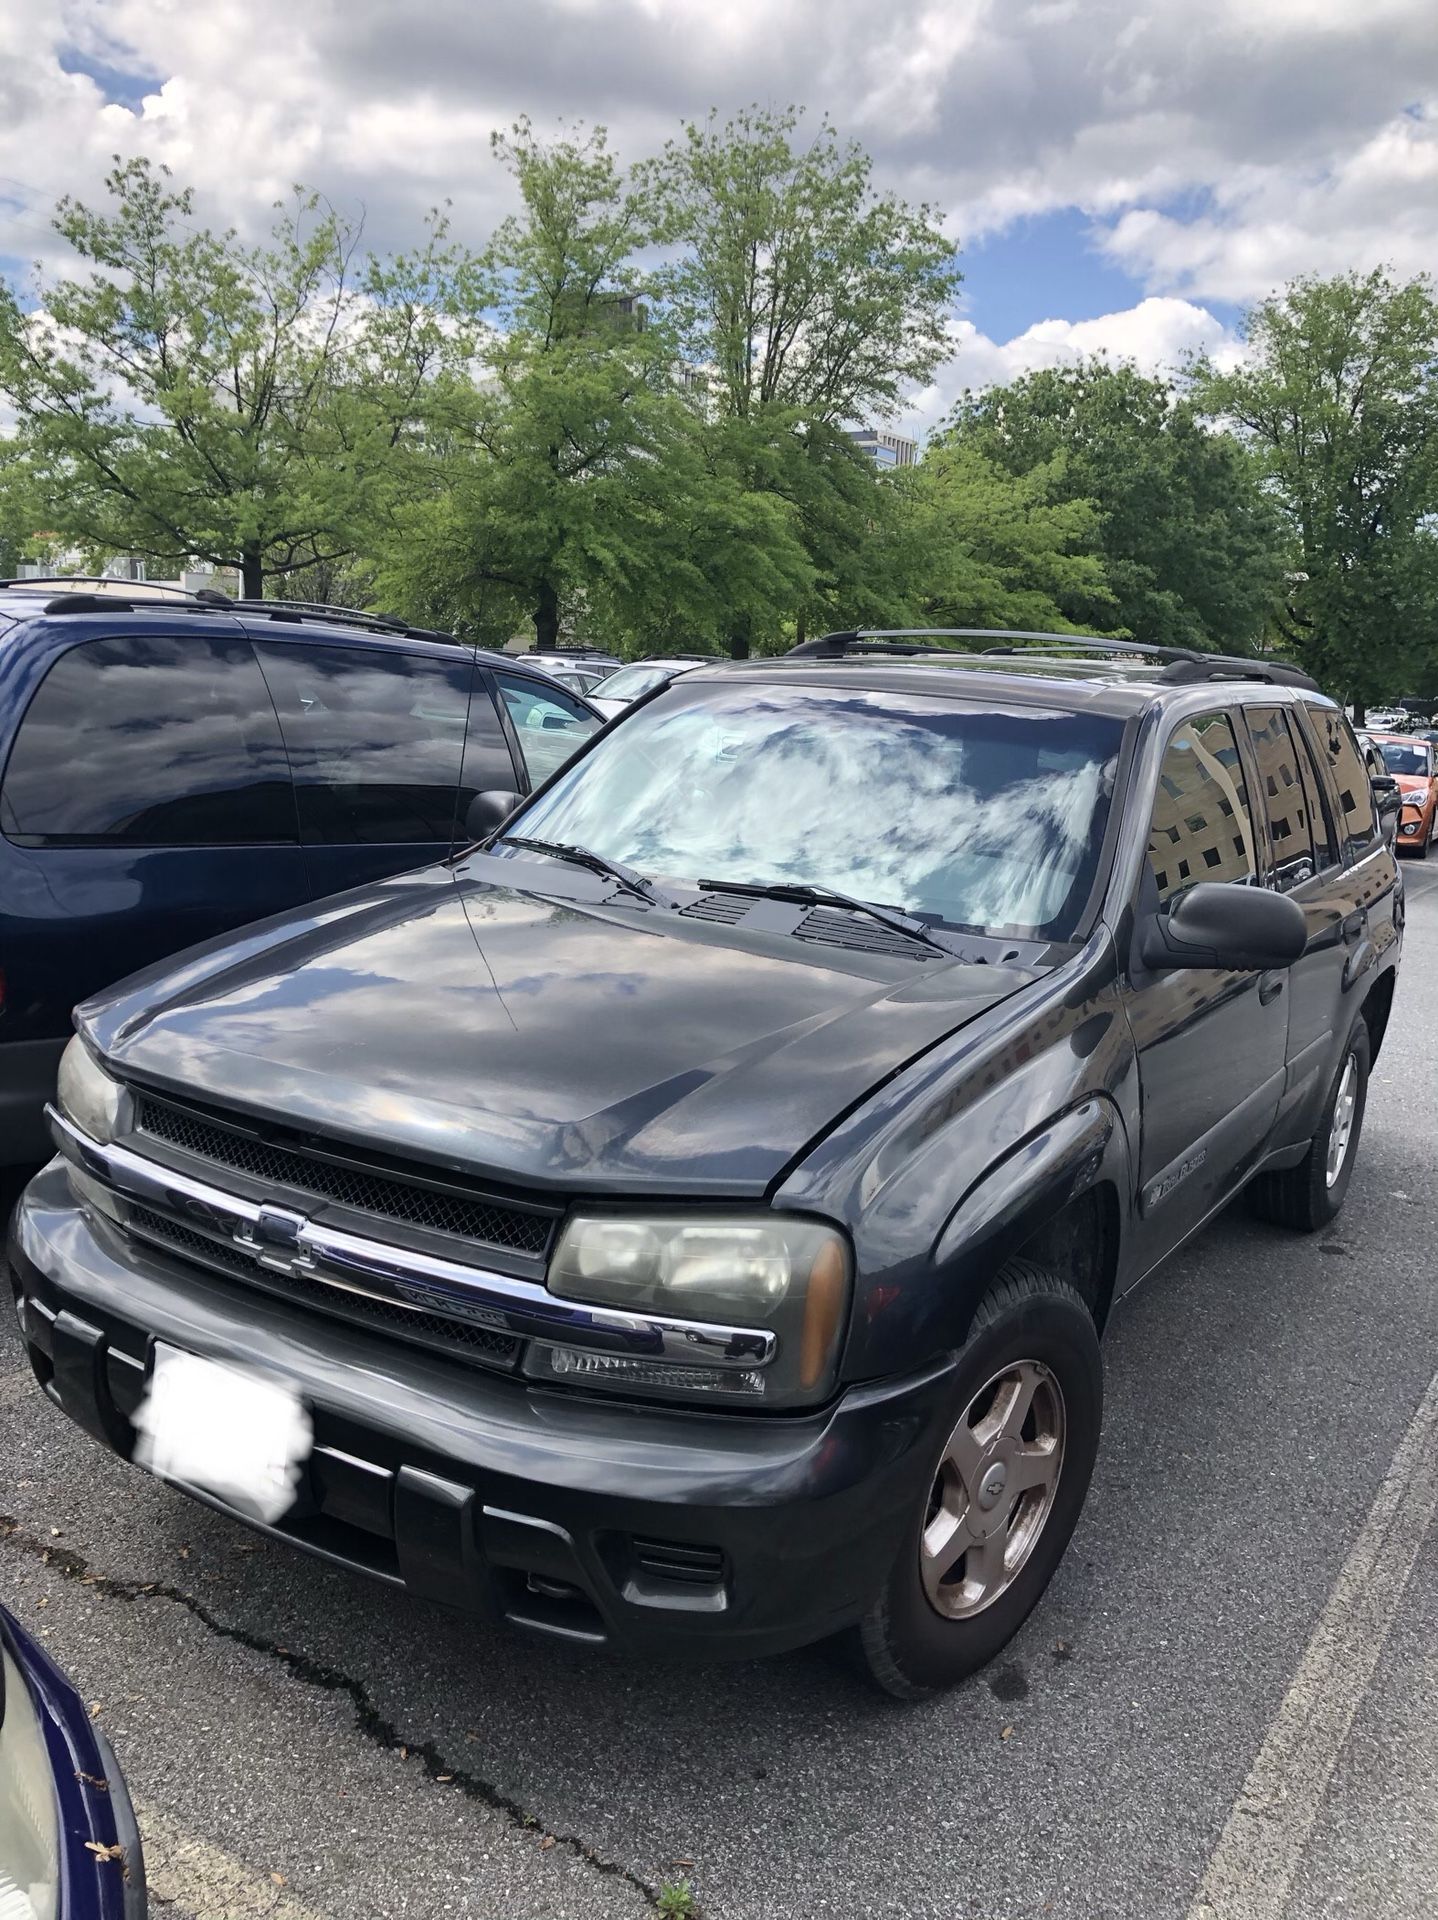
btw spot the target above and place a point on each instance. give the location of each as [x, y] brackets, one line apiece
[1411, 760]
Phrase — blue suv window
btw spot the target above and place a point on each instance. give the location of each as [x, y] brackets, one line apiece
[148, 740]
[375, 739]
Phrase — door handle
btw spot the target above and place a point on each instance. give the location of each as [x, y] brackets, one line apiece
[1269, 988]
[1354, 925]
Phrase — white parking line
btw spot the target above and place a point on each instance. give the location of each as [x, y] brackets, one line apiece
[204, 1880]
[1252, 1867]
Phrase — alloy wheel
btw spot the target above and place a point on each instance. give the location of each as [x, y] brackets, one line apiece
[994, 1490]
[1340, 1133]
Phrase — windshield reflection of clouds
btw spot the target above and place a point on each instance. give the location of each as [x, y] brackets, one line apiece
[982, 818]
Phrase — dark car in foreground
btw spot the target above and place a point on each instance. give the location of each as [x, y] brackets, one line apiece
[69, 1847]
[174, 765]
[686, 1222]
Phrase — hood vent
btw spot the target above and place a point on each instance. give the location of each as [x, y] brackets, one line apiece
[722, 909]
[836, 927]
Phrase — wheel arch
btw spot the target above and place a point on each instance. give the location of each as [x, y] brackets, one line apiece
[1060, 1199]
[1377, 1007]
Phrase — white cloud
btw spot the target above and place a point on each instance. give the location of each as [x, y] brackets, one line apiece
[1375, 205]
[1157, 336]
[1216, 150]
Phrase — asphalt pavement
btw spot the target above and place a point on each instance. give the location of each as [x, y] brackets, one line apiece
[1223, 1709]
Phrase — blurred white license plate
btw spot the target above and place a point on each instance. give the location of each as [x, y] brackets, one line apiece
[240, 1435]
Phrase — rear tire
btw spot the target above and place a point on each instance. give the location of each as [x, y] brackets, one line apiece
[1307, 1197]
[1028, 1408]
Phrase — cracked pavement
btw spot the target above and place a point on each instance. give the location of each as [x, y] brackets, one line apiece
[387, 1759]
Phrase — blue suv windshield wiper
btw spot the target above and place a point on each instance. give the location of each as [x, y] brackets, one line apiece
[596, 863]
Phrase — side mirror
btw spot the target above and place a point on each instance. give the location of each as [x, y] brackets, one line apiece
[1388, 795]
[1226, 927]
[488, 811]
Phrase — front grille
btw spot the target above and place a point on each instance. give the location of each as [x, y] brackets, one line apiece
[469, 1218]
[425, 1329]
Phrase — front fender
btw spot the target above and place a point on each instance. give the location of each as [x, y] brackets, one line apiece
[1076, 1152]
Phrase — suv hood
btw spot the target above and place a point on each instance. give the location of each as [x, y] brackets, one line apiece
[541, 1038]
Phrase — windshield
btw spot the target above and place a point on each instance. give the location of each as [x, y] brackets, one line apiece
[1399, 758]
[987, 819]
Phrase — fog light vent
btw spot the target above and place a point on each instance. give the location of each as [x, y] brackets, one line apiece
[671, 1560]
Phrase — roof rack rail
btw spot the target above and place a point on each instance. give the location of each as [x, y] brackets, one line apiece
[118, 589]
[1180, 664]
[913, 640]
[300, 610]
[88, 603]
[1188, 665]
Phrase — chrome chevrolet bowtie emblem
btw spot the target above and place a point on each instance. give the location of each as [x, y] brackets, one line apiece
[275, 1241]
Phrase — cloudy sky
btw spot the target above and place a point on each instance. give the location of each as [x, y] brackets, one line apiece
[1120, 176]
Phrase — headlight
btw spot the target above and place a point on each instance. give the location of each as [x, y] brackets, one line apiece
[88, 1097]
[29, 1829]
[764, 1272]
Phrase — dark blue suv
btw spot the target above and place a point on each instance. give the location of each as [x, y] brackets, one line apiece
[174, 766]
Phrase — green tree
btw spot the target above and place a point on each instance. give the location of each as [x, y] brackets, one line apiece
[196, 396]
[802, 301]
[589, 489]
[1193, 548]
[1338, 394]
[532, 503]
[22, 531]
[991, 548]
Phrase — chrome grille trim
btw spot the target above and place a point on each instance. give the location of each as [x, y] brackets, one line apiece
[354, 1305]
[217, 1146]
[403, 1276]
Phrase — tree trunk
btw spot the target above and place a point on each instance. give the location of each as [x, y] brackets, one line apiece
[546, 616]
[739, 639]
[1360, 711]
[252, 573]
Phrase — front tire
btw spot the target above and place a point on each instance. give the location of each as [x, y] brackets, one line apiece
[1307, 1197]
[1003, 1496]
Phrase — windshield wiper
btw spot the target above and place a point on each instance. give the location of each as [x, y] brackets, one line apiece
[596, 863]
[804, 894]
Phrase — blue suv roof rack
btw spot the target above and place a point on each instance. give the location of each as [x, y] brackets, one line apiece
[156, 595]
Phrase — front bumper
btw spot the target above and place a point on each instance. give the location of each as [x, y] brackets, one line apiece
[648, 1529]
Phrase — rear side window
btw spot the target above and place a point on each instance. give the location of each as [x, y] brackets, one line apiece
[1202, 827]
[1300, 839]
[1357, 819]
[375, 739]
[549, 726]
[1326, 852]
[150, 741]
